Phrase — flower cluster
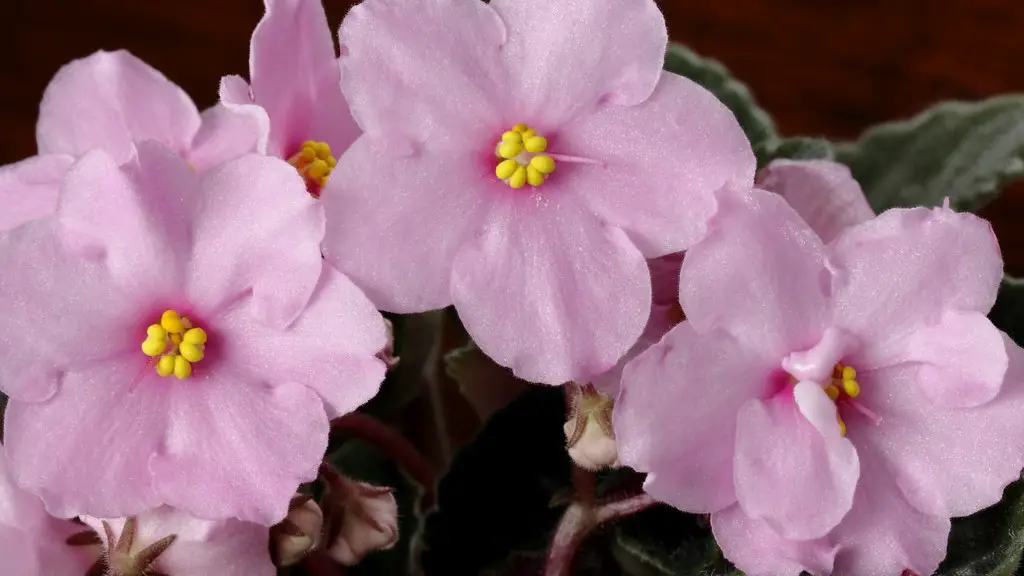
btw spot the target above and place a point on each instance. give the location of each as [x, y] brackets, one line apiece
[191, 297]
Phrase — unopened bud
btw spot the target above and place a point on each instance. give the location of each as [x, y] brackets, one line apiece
[362, 518]
[387, 353]
[588, 431]
[298, 534]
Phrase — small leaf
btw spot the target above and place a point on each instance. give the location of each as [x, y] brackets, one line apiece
[360, 461]
[665, 542]
[713, 76]
[497, 497]
[990, 542]
[965, 151]
[804, 148]
[1008, 312]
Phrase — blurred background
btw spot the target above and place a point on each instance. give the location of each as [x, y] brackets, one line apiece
[821, 67]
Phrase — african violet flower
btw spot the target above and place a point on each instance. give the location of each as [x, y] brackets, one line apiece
[166, 541]
[830, 404]
[168, 335]
[33, 543]
[295, 92]
[107, 101]
[521, 159]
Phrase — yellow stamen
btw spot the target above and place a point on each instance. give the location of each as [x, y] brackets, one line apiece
[171, 322]
[852, 388]
[520, 128]
[191, 352]
[176, 344]
[510, 149]
[842, 425]
[314, 163]
[518, 179]
[165, 366]
[154, 347]
[529, 133]
[849, 373]
[512, 137]
[544, 164]
[182, 368]
[534, 176]
[195, 336]
[536, 144]
[523, 160]
[506, 169]
[832, 392]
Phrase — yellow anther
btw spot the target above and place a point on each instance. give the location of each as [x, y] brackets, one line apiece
[165, 366]
[171, 322]
[506, 169]
[510, 149]
[842, 425]
[520, 127]
[317, 169]
[536, 144]
[176, 339]
[156, 332]
[323, 150]
[191, 352]
[182, 368]
[533, 176]
[518, 179]
[852, 388]
[849, 373]
[529, 133]
[307, 153]
[832, 392]
[543, 163]
[332, 161]
[195, 336]
[154, 346]
[512, 136]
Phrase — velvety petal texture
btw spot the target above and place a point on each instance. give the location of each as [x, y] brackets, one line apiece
[28, 189]
[200, 548]
[824, 193]
[755, 548]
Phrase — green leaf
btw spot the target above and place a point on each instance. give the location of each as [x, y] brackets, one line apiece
[965, 151]
[360, 461]
[665, 542]
[497, 496]
[990, 542]
[804, 148]
[1008, 312]
[712, 75]
[484, 383]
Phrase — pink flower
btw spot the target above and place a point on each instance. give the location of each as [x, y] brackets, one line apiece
[167, 541]
[172, 341]
[295, 92]
[33, 543]
[108, 101]
[521, 165]
[830, 404]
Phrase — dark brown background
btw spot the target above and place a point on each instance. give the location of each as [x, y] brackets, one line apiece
[828, 67]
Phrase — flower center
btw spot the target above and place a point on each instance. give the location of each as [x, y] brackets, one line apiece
[176, 343]
[524, 161]
[314, 163]
[842, 384]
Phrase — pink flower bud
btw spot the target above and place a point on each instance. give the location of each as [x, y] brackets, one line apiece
[362, 518]
[299, 533]
[588, 431]
[387, 353]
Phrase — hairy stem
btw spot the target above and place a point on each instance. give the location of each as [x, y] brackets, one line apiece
[578, 521]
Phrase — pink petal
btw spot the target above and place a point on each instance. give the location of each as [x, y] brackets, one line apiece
[108, 100]
[295, 78]
[824, 193]
[202, 547]
[87, 449]
[883, 266]
[661, 161]
[793, 468]
[17, 548]
[236, 95]
[330, 348]
[755, 548]
[964, 359]
[236, 448]
[759, 274]
[397, 223]
[437, 61]
[53, 324]
[936, 452]
[675, 417]
[658, 324]
[224, 135]
[567, 57]
[28, 189]
[257, 229]
[549, 291]
[883, 534]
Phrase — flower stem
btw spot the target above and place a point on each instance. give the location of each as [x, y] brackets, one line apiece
[393, 445]
[578, 521]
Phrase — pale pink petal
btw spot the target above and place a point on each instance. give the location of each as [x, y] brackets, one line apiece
[883, 267]
[202, 547]
[964, 359]
[236, 448]
[108, 100]
[86, 450]
[60, 312]
[437, 61]
[549, 291]
[28, 189]
[17, 548]
[883, 533]
[658, 324]
[568, 56]
[755, 548]
[824, 193]
[224, 135]
[295, 78]
[396, 223]
[759, 274]
[343, 369]
[935, 452]
[660, 162]
[256, 228]
[675, 417]
[793, 468]
[236, 95]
